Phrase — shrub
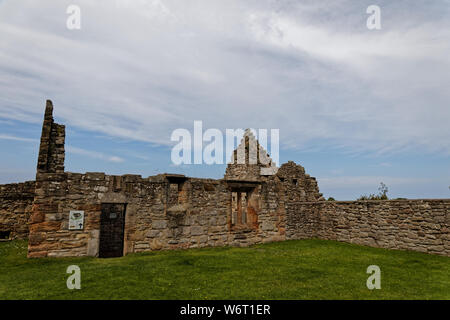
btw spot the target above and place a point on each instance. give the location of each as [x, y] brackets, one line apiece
[382, 194]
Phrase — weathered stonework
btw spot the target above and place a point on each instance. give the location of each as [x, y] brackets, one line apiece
[16, 202]
[170, 211]
[419, 225]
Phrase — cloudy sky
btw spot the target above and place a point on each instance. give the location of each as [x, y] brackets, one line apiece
[354, 106]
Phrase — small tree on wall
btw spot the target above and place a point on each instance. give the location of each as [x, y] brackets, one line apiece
[382, 191]
[382, 194]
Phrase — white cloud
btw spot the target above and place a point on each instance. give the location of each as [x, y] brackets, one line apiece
[93, 154]
[358, 49]
[115, 159]
[15, 138]
[310, 69]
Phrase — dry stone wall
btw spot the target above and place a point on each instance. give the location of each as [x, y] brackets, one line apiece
[16, 202]
[419, 225]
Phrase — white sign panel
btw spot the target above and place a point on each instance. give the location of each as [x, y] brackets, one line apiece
[76, 220]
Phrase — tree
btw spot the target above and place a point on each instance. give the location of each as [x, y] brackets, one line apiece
[382, 194]
[382, 191]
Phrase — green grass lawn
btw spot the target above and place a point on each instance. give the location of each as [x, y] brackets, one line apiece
[305, 269]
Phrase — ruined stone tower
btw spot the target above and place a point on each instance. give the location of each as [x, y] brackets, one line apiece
[49, 187]
[51, 149]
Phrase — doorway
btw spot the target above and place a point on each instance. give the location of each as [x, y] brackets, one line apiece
[112, 229]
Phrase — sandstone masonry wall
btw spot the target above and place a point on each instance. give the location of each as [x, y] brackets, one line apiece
[168, 211]
[419, 225]
[16, 202]
[160, 214]
[50, 186]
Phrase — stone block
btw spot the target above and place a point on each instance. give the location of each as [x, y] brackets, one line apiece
[159, 224]
[197, 230]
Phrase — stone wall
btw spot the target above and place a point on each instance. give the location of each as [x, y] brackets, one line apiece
[250, 161]
[256, 202]
[298, 185]
[162, 212]
[419, 225]
[50, 188]
[16, 202]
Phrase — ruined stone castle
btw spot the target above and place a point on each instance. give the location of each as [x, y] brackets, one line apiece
[93, 214]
